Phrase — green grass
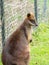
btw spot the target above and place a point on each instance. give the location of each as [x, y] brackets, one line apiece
[0, 60]
[39, 48]
[39, 55]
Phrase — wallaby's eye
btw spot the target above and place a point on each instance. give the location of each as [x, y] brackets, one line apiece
[28, 15]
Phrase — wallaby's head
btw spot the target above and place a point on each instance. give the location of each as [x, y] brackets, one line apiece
[32, 20]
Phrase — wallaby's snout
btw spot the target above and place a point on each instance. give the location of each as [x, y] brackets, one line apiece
[34, 23]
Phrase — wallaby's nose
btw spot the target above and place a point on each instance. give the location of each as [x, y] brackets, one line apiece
[36, 24]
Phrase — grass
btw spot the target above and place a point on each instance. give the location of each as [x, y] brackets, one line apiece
[0, 60]
[39, 48]
[39, 55]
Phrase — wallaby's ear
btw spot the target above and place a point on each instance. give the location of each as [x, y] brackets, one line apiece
[28, 15]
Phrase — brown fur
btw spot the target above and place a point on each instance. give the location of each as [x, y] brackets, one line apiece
[16, 50]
